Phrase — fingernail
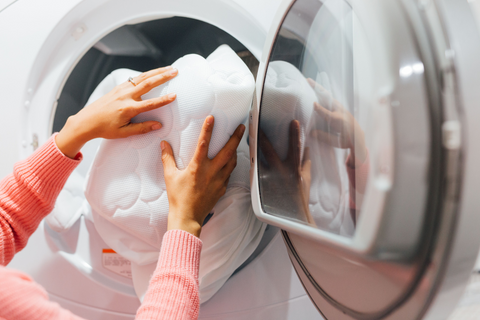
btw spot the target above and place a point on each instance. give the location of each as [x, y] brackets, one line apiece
[172, 96]
[168, 67]
[174, 72]
[209, 119]
[156, 126]
[162, 145]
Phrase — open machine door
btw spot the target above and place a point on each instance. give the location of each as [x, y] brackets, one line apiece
[364, 151]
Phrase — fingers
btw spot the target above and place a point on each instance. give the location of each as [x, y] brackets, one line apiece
[154, 81]
[169, 165]
[140, 128]
[328, 138]
[317, 86]
[226, 182]
[268, 151]
[155, 103]
[227, 170]
[294, 148]
[323, 112]
[230, 148]
[306, 157]
[201, 152]
[150, 74]
[323, 95]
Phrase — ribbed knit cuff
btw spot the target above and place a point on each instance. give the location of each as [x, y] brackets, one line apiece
[180, 250]
[46, 170]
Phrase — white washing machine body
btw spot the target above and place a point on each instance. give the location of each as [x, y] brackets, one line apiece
[44, 42]
[406, 69]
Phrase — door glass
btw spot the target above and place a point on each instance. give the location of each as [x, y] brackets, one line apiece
[313, 158]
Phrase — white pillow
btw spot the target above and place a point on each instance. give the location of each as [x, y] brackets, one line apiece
[126, 187]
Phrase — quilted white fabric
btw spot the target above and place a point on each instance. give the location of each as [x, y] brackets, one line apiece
[71, 202]
[287, 96]
[126, 187]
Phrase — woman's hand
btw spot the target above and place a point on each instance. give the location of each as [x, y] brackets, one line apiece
[343, 129]
[193, 192]
[110, 116]
[286, 184]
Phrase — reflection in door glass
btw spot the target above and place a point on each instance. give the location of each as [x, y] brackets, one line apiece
[313, 161]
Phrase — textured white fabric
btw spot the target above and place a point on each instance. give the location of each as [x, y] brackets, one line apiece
[71, 202]
[288, 96]
[126, 188]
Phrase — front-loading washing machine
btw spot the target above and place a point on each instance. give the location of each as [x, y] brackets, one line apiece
[400, 247]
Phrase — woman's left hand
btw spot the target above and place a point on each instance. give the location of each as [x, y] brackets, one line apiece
[110, 116]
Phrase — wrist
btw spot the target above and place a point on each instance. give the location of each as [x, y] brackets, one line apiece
[188, 225]
[357, 157]
[71, 138]
[358, 150]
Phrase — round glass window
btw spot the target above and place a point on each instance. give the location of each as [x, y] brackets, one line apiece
[314, 161]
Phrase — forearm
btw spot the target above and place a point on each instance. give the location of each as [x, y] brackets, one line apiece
[173, 291]
[358, 148]
[29, 194]
[358, 172]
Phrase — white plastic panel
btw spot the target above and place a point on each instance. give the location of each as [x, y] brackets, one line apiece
[5, 3]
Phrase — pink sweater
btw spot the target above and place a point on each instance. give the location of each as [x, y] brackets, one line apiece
[28, 195]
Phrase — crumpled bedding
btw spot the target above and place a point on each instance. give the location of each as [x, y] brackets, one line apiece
[126, 189]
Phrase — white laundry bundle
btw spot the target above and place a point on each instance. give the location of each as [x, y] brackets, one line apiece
[126, 187]
[71, 202]
[288, 96]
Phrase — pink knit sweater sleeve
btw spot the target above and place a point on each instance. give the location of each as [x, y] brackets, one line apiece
[173, 290]
[28, 195]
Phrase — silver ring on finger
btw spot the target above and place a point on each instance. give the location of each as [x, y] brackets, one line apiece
[130, 79]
